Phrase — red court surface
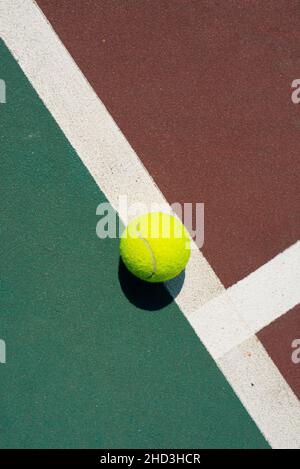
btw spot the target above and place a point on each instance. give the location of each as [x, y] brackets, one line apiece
[202, 91]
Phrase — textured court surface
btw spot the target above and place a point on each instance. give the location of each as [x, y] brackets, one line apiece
[201, 91]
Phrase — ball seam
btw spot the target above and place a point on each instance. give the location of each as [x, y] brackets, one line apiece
[150, 250]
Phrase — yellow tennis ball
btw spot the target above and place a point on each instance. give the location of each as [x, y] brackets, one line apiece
[155, 247]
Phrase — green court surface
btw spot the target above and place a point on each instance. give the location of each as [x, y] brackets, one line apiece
[86, 368]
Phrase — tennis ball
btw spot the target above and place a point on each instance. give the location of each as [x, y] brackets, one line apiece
[155, 247]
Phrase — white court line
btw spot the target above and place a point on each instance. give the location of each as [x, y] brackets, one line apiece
[252, 303]
[114, 166]
[260, 387]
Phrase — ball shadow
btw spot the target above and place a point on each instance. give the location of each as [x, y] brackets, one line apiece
[145, 295]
